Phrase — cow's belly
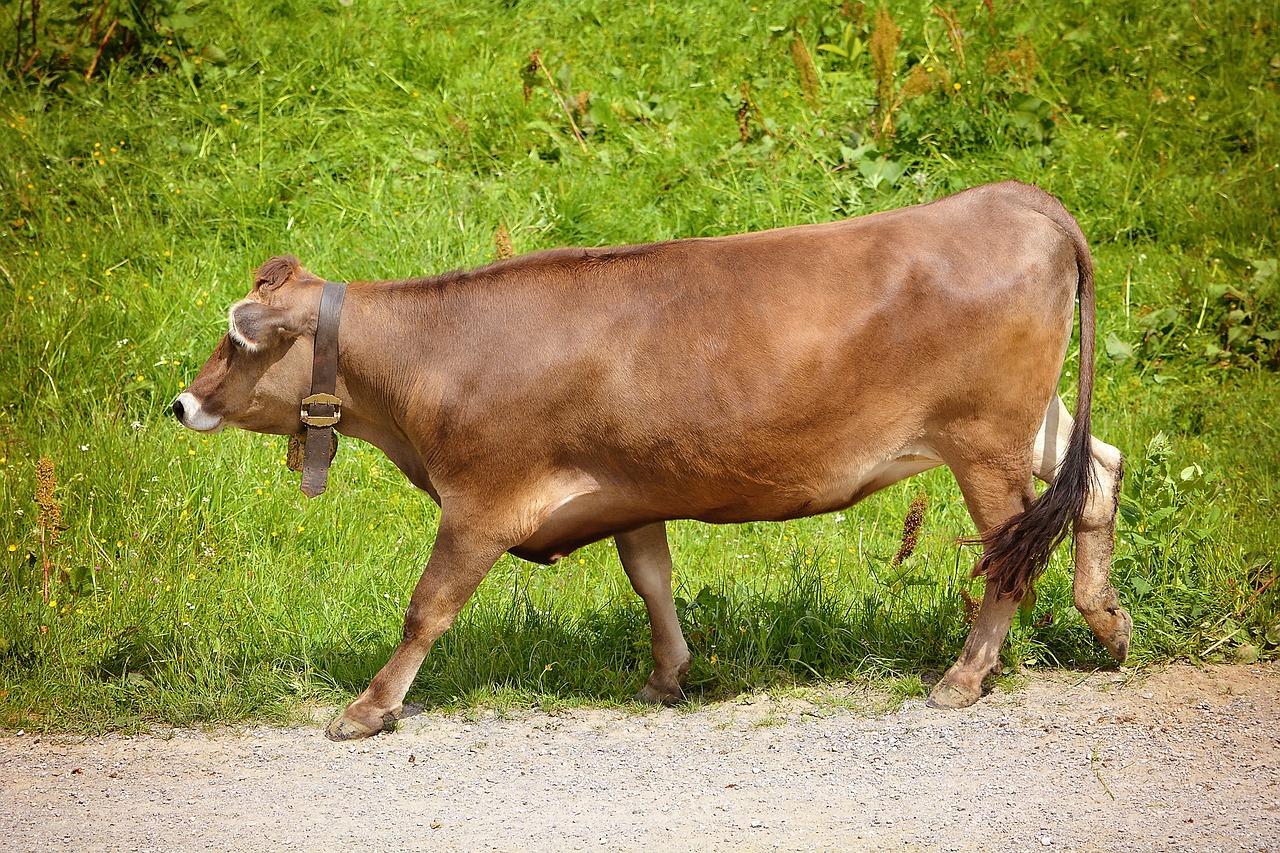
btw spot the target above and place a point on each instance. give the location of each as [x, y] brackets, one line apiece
[595, 515]
[841, 489]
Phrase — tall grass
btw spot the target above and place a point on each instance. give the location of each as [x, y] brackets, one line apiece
[191, 582]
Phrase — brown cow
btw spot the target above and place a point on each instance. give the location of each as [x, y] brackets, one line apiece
[551, 400]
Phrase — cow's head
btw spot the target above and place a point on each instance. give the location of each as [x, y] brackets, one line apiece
[261, 369]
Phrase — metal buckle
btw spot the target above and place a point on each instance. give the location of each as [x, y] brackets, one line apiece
[321, 420]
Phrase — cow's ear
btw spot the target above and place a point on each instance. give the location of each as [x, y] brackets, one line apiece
[255, 326]
[275, 272]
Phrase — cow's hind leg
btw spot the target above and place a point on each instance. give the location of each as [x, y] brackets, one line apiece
[993, 493]
[459, 560]
[1095, 597]
[647, 561]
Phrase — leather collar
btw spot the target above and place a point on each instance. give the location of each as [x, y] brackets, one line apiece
[321, 410]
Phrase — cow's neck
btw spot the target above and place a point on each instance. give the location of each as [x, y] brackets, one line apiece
[383, 342]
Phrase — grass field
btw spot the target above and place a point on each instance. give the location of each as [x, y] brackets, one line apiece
[189, 581]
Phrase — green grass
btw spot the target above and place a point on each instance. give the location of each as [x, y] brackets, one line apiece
[193, 583]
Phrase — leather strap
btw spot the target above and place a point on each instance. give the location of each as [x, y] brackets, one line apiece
[321, 410]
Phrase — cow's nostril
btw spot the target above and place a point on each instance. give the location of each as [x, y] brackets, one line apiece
[177, 408]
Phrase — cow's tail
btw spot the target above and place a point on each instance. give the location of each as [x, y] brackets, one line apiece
[1016, 552]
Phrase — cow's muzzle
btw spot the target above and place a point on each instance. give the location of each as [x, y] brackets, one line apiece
[189, 412]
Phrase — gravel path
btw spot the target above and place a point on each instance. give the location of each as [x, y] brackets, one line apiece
[1179, 759]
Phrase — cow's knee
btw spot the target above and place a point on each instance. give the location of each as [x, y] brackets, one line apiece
[415, 625]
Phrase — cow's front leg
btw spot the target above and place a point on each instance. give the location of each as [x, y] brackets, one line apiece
[459, 560]
[647, 561]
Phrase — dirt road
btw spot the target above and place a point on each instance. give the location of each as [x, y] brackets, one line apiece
[1179, 759]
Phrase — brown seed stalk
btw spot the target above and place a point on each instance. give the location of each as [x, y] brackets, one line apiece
[885, 37]
[744, 116]
[911, 528]
[49, 519]
[502, 243]
[808, 72]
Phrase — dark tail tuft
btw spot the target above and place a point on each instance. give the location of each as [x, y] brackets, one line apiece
[1015, 553]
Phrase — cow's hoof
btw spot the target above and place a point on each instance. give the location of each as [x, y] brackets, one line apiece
[1117, 640]
[648, 696]
[345, 728]
[946, 694]
[652, 694]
